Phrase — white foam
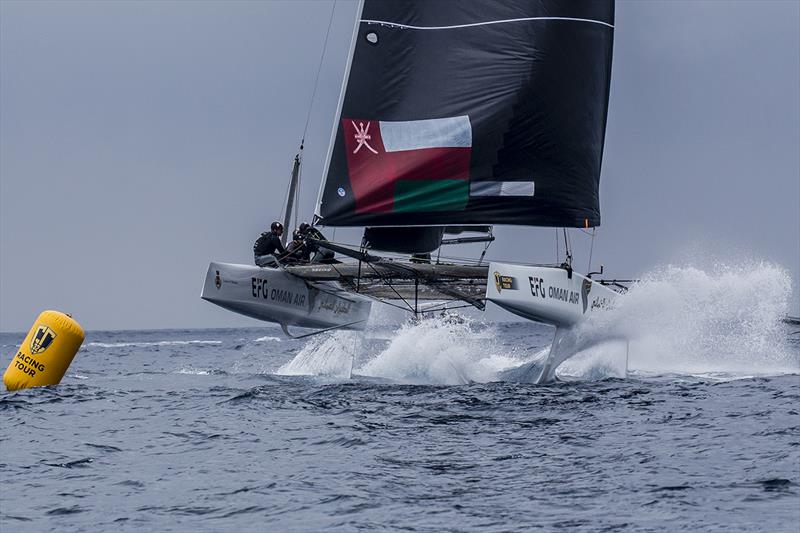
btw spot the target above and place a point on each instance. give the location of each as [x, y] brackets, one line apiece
[440, 351]
[193, 372]
[268, 339]
[140, 344]
[721, 320]
[605, 360]
[433, 351]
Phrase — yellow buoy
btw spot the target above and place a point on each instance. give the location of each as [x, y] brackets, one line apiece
[46, 352]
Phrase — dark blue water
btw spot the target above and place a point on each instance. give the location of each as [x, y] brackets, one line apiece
[194, 431]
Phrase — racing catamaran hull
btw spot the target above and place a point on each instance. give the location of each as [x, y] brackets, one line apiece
[549, 295]
[274, 295]
[546, 294]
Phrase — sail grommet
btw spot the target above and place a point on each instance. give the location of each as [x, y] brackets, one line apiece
[372, 38]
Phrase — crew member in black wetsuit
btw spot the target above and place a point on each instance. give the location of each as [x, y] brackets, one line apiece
[321, 254]
[268, 248]
[296, 250]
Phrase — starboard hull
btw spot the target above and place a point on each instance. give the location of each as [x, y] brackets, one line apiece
[550, 295]
[546, 294]
[273, 295]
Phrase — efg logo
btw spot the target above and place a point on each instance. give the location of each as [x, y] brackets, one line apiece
[259, 288]
[42, 339]
[218, 280]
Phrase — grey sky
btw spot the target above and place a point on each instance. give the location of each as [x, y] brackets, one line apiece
[140, 140]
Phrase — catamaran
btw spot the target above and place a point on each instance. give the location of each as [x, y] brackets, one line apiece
[453, 117]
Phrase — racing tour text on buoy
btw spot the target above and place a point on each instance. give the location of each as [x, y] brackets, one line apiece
[46, 352]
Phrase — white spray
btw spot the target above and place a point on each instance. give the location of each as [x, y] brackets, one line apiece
[325, 355]
[723, 321]
[432, 351]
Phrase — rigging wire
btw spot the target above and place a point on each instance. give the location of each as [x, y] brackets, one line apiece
[483, 254]
[308, 120]
[316, 79]
[557, 250]
[591, 250]
[452, 259]
[567, 248]
[569, 241]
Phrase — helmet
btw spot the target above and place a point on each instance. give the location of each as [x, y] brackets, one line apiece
[304, 227]
[276, 226]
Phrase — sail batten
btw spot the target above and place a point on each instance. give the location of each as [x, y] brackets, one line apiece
[472, 113]
[484, 23]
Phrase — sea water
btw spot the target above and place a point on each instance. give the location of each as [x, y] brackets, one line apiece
[684, 413]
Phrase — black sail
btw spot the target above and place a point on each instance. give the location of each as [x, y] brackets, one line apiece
[472, 112]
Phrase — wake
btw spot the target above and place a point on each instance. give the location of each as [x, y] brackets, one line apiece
[719, 323]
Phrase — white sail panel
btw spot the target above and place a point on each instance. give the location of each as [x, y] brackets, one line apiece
[451, 132]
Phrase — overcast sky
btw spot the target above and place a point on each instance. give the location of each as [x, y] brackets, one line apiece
[140, 140]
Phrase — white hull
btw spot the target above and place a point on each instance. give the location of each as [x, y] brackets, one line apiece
[551, 296]
[543, 294]
[273, 295]
[546, 294]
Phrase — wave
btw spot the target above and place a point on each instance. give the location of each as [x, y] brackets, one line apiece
[142, 344]
[201, 371]
[267, 339]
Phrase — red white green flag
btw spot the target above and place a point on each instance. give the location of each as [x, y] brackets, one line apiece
[409, 166]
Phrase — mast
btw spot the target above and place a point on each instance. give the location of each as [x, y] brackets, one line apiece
[290, 198]
[338, 113]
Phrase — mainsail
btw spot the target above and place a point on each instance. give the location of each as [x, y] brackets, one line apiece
[472, 112]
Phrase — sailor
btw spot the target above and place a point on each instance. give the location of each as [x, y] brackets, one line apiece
[321, 254]
[268, 248]
[296, 251]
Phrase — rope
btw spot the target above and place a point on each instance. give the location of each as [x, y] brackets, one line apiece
[591, 250]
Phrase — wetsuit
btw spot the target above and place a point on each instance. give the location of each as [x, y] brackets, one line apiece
[267, 249]
[322, 254]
